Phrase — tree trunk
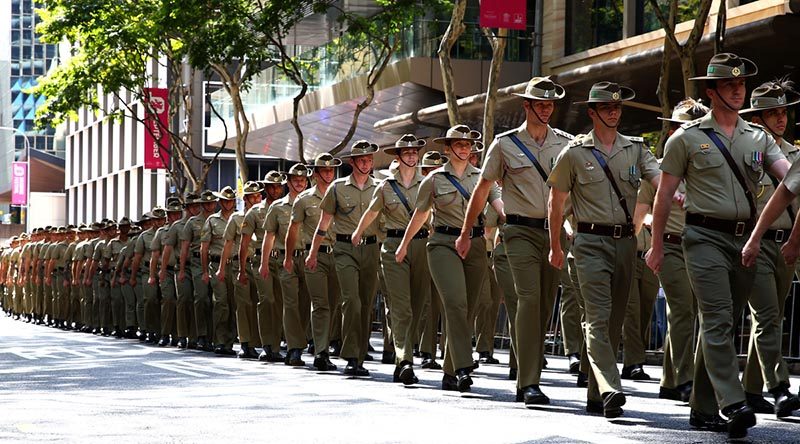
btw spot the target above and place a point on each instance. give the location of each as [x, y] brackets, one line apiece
[498, 43]
[454, 31]
[690, 87]
[241, 123]
[663, 82]
[719, 35]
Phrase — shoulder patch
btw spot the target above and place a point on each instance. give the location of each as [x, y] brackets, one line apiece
[691, 124]
[756, 126]
[636, 139]
[563, 134]
[576, 141]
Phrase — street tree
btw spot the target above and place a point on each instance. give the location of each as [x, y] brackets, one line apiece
[451, 35]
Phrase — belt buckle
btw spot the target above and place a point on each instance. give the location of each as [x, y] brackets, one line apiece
[740, 226]
[779, 236]
[617, 232]
[546, 223]
[363, 240]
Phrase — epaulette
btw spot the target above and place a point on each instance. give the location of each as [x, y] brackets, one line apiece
[507, 133]
[691, 124]
[756, 126]
[563, 134]
[636, 139]
[577, 141]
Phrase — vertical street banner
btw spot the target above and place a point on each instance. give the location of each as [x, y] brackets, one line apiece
[510, 14]
[19, 183]
[156, 118]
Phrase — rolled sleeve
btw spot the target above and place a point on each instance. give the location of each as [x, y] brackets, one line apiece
[493, 164]
[561, 177]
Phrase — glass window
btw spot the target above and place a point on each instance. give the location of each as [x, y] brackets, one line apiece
[38, 51]
[15, 6]
[15, 37]
[15, 71]
[15, 53]
[592, 23]
[27, 6]
[51, 51]
[26, 52]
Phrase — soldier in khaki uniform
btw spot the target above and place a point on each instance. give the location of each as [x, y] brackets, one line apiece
[212, 243]
[113, 252]
[679, 343]
[522, 159]
[768, 107]
[243, 297]
[721, 212]
[140, 272]
[100, 277]
[184, 300]
[162, 273]
[190, 240]
[601, 173]
[122, 275]
[458, 279]
[492, 294]
[296, 299]
[344, 202]
[322, 281]
[408, 283]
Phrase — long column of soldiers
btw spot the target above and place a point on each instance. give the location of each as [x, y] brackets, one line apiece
[445, 241]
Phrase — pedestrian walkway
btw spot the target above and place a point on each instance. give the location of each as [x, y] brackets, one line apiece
[76, 387]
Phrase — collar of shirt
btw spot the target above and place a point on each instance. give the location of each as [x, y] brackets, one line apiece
[350, 181]
[620, 142]
[708, 121]
[414, 181]
[549, 139]
[469, 170]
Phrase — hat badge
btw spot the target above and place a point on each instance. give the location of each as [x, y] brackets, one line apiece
[736, 72]
[327, 163]
[615, 96]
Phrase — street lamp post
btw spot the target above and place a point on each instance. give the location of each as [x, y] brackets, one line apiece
[28, 174]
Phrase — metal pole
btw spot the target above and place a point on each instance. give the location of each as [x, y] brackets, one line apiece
[28, 175]
[537, 38]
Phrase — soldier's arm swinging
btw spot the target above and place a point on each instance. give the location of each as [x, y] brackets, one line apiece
[367, 218]
[226, 254]
[162, 270]
[476, 205]
[776, 205]
[137, 260]
[663, 204]
[155, 258]
[291, 240]
[204, 259]
[418, 219]
[555, 219]
[184, 256]
[244, 244]
[323, 225]
[639, 214]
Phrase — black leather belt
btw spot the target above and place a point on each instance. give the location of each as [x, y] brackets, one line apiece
[641, 254]
[516, 219]
[421, 234]
[616, 231]
[171, 268]
[327, 249]
[452, 231]
[365, 240]
[737, 228]
[258, 252]
[282, 252]
[672, 238]
[779, 236]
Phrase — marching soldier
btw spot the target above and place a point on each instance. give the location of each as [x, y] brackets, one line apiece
[408, 283]
[296, 303]
[140, 272]
[162, 273]
[522, 159]
[212, 243]
[601, 173]
[721, 158]
[190, 240]
[344, 203]
[459, 279]
[321, 281]
[244, 295]
[113, 252]
[768, 106]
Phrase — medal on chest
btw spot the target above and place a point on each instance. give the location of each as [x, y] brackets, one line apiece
[757, 161]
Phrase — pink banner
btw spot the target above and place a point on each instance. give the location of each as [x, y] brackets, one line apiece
[509, 14]
[156, 138]
[19, 183]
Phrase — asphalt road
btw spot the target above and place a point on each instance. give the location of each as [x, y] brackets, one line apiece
[58, 386]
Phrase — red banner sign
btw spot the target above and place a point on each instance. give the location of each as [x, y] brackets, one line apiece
[156, 138]
[19, 183]
[509, 14]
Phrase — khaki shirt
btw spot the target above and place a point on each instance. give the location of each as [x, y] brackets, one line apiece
[143, 246]
[677, 215]
[386, 202]
[192, 232]
[525, 193]
[157, 244]
[766, 188]
[171, 238]
[232, 233]
[213, 232]
[711, 187]
[346, 202]
[593, 198]
[99, 248]
[306, 211]
[113, 251]
[253, 225]
[279, 216]
[449, 206]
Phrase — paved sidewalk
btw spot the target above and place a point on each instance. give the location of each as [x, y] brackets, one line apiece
[73, 387]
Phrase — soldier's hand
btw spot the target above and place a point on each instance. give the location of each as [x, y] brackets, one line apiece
[463, 242]
[182, 275]
[288, 265]
[750, 252]
[151, 280]
[654, 259]
[790, 251]
[556, 258]
[242, 278]
[263, 271]
[206, 278]
[162, 275]
[87, 282]
[355, 238]
[220, 274]
[48, 281]
[400, 254]
[679, 198]
[311, 262]
[122, 280]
